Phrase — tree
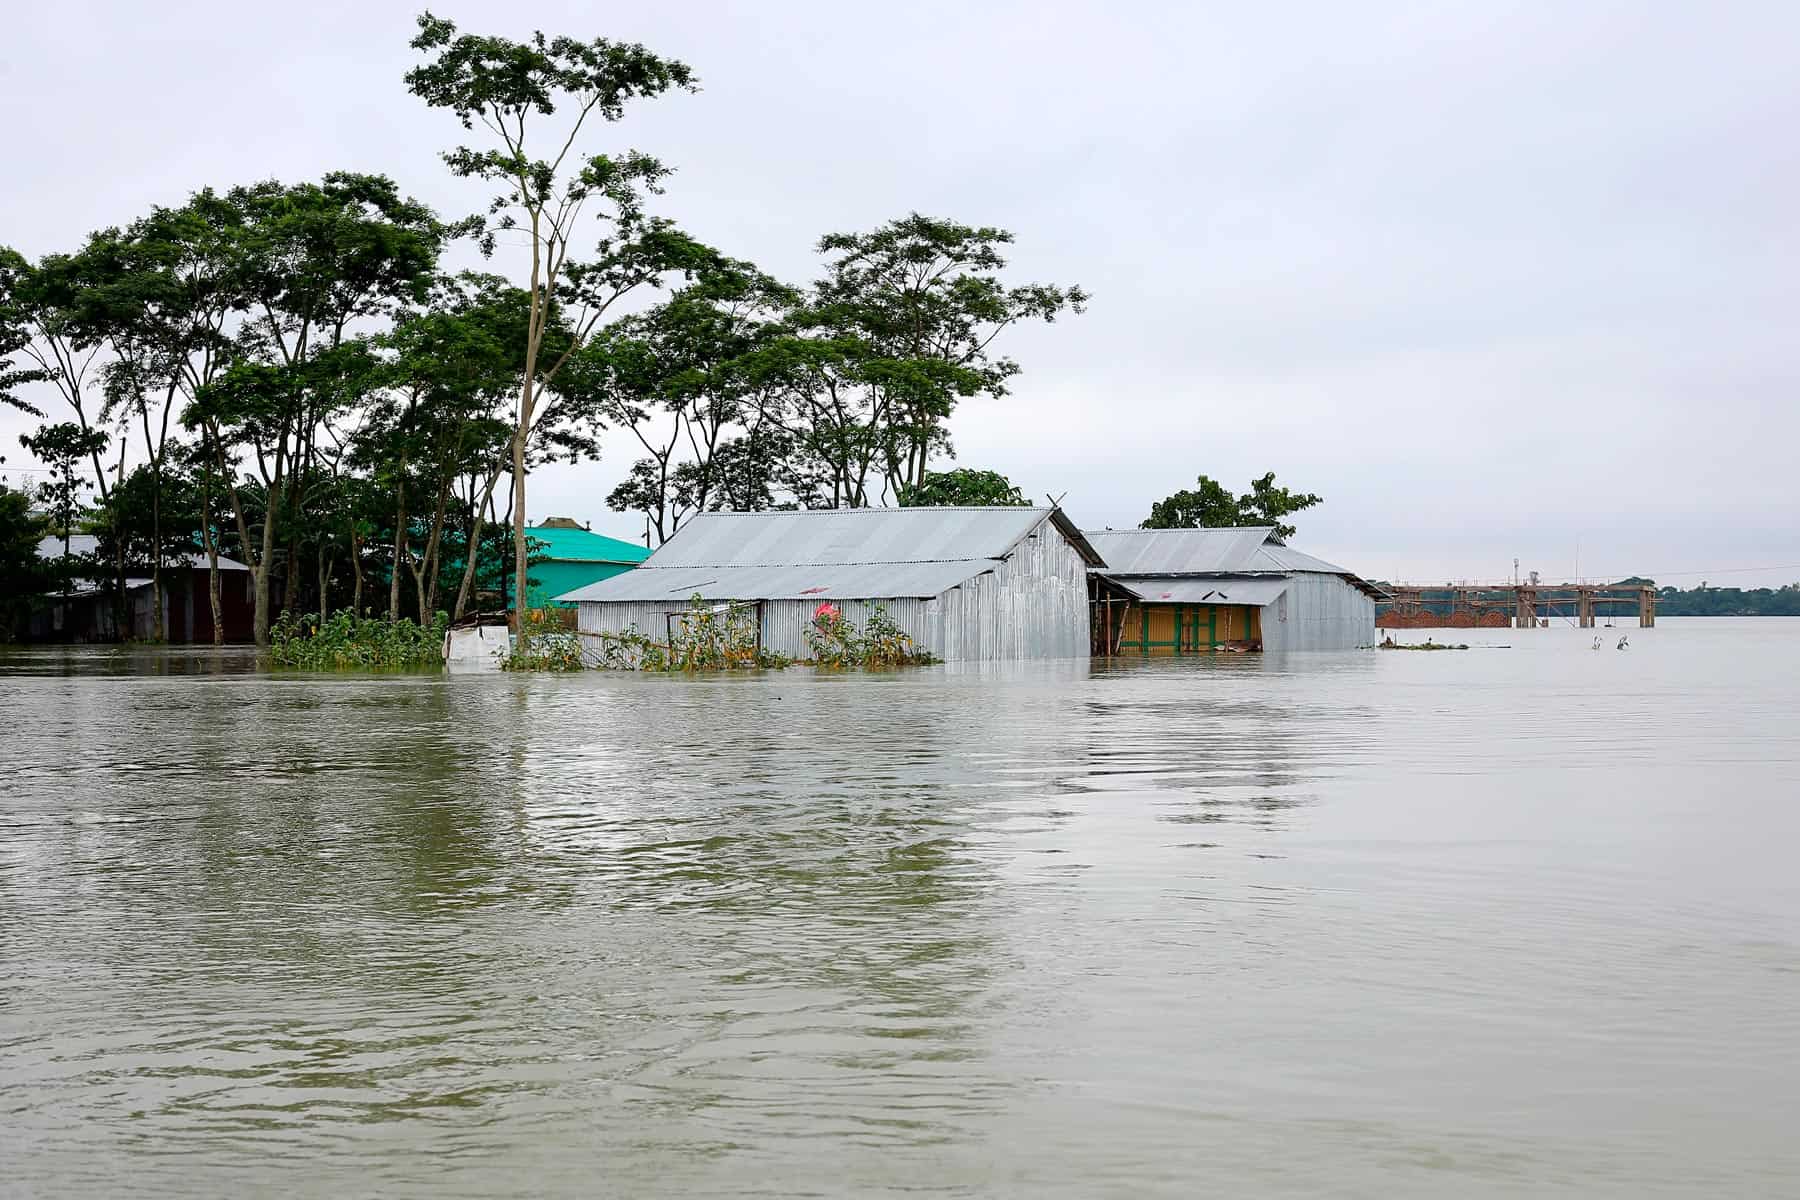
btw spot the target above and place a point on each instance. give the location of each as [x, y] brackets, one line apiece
[16, 331]
[310, 262]
[40, 302]
[23, 581]
[510, 88]
[907, 316]
[964, 485]
[61, 447]
[676, 378]
[157, 293]
[1211, 505]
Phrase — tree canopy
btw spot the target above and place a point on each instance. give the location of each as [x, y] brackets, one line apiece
[964, 485]
[1212, 505]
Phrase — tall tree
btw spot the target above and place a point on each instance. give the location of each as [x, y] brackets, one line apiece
[158, 294]
[676, 377]
[545, 187]
[310, 263]
[911, 311]
[61, 447]
[16, 332]
[1211, 505]
[42, 301]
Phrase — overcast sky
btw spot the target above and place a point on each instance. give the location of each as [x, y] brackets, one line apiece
[1496, 279]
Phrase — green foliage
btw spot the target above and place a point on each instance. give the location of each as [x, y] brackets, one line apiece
[544, 643]
[61, 447]
[706, 637]
[1705, 601]
[963, 486]
[836, 643]
[24, 580]
[16, 318]
[348, 640]
[898, 333]
[1211, 505]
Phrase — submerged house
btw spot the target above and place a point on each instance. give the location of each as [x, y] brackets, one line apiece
[966, 583]
[570, 555]
[1182, 591]
[90, 610]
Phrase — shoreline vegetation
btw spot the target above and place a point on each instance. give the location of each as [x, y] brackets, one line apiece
[704, 638]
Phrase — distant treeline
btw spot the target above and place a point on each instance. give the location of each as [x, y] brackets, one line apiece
[1729, 602]
[1702, 601]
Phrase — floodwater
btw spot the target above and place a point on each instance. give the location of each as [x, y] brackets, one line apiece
[1515, 921]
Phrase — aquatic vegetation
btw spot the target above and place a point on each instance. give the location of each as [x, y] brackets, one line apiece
[346, 639]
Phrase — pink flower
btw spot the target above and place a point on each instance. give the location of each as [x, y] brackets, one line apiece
[826, 612]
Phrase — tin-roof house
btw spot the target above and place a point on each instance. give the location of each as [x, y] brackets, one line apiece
[966, 583]
[1181, 591]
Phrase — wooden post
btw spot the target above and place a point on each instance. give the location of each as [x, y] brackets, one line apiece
[1646, 608]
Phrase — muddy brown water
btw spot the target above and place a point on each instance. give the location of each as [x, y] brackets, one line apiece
[1504, 922]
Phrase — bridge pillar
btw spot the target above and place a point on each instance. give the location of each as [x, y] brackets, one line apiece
[1584, 608]
[1646, 608]
[1525, 615]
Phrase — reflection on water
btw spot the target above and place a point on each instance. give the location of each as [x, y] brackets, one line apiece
[1506, 922]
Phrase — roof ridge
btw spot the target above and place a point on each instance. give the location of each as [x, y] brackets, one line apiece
[1201, 529]
[873, 562]
[840, 512]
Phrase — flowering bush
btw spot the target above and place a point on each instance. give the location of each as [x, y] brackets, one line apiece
[837, 642]
[834, 642]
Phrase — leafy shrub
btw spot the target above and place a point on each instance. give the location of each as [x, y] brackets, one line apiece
[544, 643]
[346, 639]
[836, 642]
[833, 640]
[703, 638]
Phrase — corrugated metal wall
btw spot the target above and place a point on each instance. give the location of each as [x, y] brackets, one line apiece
[1033, 605]
[1318, 612]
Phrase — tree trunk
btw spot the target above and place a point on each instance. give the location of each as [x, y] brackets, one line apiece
[521, 584]
[428, 599]
[212, 562]
[399, 546]
[290, 573]
[472, 555]
[260, 623]
[324, 586]
[356, 569]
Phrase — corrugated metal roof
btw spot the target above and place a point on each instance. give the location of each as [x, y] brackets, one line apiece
[1249, 551]
[846, 536]
[1205, 589]
[827, 581]
[1272, 557]
[584, 545]
[1179, 551]
[87, 543]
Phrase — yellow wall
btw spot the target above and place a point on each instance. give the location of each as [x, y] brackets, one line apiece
[1226, 623]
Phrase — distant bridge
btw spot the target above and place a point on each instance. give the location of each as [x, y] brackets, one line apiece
[1519, 605]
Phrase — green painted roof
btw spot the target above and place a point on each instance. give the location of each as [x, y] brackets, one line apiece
[582, 545]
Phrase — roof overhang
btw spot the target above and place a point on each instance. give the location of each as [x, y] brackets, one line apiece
[1253, 591]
